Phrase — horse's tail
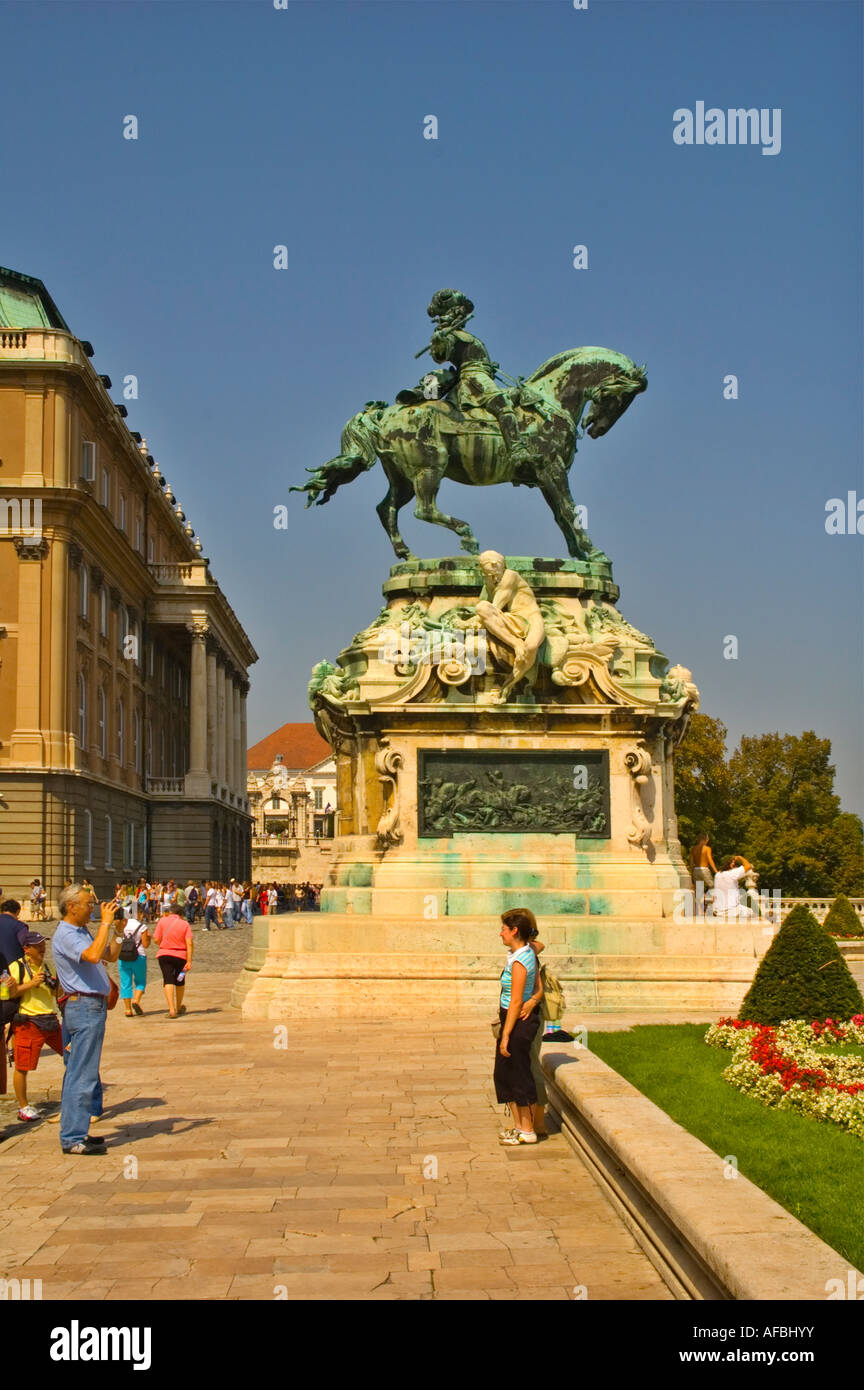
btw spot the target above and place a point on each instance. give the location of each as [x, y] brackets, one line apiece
[359, 454]
[359, 438]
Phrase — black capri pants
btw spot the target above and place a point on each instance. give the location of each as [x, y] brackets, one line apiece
[171, 967]
[512, 1075]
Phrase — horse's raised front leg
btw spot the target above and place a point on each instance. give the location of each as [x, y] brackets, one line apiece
[426, 485]
[399, 492]
[553, 482]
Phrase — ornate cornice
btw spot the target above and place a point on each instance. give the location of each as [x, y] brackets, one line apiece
[198, 629]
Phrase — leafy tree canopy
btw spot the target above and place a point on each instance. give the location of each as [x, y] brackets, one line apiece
[773, 801]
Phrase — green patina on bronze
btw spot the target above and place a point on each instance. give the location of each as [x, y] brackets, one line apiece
[506, 792]
[462, 424]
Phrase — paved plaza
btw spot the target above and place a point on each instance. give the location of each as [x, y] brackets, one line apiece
[354, 1162]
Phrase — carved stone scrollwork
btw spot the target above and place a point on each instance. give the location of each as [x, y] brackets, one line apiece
[638, 764]
[76, 555]
[388, 764]
[198, 628]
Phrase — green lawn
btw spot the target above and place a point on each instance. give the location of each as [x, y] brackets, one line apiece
[814, 1170]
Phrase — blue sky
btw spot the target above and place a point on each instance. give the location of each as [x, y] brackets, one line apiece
[304, 127]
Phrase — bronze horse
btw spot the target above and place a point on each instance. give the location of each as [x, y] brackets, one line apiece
[421, 443]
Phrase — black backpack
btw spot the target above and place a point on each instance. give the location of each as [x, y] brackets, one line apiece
[129, 949]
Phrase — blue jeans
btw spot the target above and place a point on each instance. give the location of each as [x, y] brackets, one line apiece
[246, 908]
[83, 1033]
[228, 917]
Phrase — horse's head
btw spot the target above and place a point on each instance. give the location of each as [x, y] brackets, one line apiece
[610, 398]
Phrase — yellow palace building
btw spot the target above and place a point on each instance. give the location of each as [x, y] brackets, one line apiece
[123, 667]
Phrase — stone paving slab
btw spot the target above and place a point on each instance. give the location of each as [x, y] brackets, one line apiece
[359, 1162]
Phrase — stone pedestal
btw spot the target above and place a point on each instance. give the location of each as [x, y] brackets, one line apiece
[456, 804]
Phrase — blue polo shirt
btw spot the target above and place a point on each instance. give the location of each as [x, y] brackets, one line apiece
[11, 932]
[77, 976]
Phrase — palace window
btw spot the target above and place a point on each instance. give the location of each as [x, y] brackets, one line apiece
[162, 741]
[319, 798]
[88, 460]
[133, 649]
[103, 610]
[136, 740]
[120, 732]
[139, 534]
[87, 823]
[108, 842]
[151, 552]
[83, 592]
[101, 732]
[106, 488]
[82, 710]
[122, 511]
[148, 748]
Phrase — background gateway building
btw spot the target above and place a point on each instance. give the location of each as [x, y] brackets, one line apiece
[123, 668]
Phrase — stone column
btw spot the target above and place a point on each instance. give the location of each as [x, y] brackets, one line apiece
[60, 454]
[26, 745]
[229, 729]
[198, 776]
[237, 751]
[34, 424]
[212, 709]
[244, 689]
[220, 725]
[58, 673]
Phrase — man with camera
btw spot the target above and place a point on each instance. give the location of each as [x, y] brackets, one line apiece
[85, 981]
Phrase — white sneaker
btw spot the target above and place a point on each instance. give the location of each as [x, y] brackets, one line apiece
[506, 1133]
[519, 1136]
[29, 1112]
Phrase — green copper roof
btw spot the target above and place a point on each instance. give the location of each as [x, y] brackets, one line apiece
[25, 303]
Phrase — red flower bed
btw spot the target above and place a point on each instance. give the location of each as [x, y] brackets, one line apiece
[765, 1051]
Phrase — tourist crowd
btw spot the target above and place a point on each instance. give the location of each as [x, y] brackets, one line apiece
[216, 905]
[67, 1010]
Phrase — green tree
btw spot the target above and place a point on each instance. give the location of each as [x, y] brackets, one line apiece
[703, 785]
[785, 816]
[802, 975]
[842, 919]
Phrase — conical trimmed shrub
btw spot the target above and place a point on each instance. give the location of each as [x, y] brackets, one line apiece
[842, 919]
[802, 975]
